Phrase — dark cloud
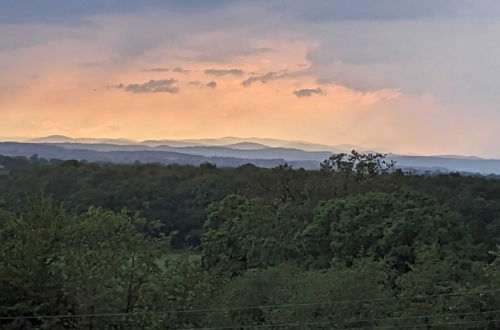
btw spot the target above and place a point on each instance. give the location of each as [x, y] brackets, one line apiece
[264, 78]
[180, 70]
[210, 84]
[74, 11]
[340, 10]
[177, 70]
[307, 92]
[223, 72]
[195, 83]
[156, 70]
[152, 86]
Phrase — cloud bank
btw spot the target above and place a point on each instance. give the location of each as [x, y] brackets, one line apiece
[263, 78]
[152, 86]
[224, 72]
[156, 70]
[308, 92]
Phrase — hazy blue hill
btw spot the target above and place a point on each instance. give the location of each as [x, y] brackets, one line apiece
[65, 139]
[267, 153]
[235, 141]
[227, 155]
[171, 143]
[246, 146]
[224, 141]
[144, 156]
[52, 139]
[102, 146]
[321, 147]
[228, 142]
[453, 163]
[263, 152]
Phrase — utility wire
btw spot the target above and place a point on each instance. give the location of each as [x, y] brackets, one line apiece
[334, 323]
[351, 321]
[189, 311]
[426, 325]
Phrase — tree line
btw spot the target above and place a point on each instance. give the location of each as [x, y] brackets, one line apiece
[357, 244]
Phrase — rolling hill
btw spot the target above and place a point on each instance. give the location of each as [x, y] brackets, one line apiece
[225, 152]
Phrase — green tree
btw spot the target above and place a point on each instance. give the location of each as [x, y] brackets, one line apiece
[359, 165]
[243, 233]
[29, 284]
[108, 266]
[383, 226]
[55, 263]
[286, 294]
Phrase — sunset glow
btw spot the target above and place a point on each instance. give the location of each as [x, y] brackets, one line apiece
[168, 72]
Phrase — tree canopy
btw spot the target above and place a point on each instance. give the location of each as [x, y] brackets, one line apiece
[354, 245]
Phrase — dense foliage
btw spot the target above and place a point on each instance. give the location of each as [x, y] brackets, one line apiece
[356, 244]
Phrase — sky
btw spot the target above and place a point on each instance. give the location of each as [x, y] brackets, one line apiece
[398, 75]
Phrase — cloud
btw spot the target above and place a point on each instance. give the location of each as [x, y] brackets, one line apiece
[380, 10]
[223, 72]
[264, 78]
[180, 70]
[152, 86]
[308, 92]
[156, 70]
[210, 84]
[177, 70]
[446, 58]
[195, 83]
[73, 11]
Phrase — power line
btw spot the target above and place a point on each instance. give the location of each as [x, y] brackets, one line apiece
[351, 321]
[347, 301]
[250, 307]
[336, 323]
[427, 325]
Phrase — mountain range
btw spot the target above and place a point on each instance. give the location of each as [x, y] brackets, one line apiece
[228, 142]
[225, 152]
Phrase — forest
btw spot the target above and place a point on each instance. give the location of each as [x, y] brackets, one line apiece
[357, 244]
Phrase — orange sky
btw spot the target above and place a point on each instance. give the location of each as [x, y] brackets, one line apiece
[84, 101]
[62, 79]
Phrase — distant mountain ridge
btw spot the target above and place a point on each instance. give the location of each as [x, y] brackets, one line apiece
[49, 151]
[230, 142]
[246, 146]
[65, 139]
[228, 151]
[209, 151]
